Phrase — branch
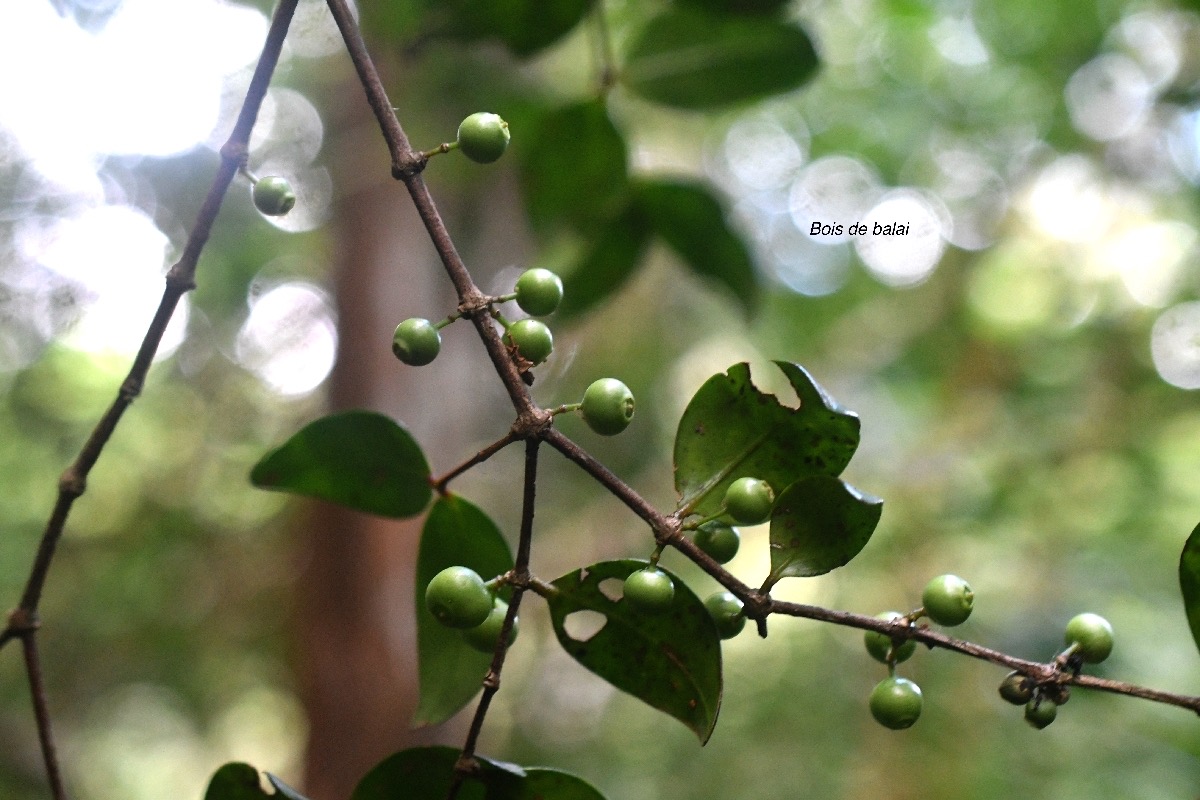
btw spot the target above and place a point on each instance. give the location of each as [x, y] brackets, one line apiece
[22, 623]
[467, 764]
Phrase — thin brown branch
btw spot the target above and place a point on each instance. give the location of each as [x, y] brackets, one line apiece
[407, 165]
[1040, 672]
[491, 683]
[180, 279]
[439, 484]
[41, 713]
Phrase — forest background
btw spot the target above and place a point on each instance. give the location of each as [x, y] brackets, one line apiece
[1023, 363]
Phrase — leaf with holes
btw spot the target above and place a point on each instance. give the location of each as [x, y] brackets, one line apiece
[670, 659]
[732, 430]
[456, 533]
[819, 523]
[1189, 582]
[688, 58]
[359, 459]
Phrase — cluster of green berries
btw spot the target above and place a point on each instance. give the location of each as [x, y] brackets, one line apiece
[1088, 638]
[651, 591]
[896, 702]
[607, 406]
[458, 598]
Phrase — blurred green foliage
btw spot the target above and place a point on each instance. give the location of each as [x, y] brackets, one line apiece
[1014, 419]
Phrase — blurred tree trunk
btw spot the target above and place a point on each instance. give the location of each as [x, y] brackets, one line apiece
[355, 629]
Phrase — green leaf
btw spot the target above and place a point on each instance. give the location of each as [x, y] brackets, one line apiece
[235, 781]
[819, 523]
[419, 773]
[607, 261]
[551, 784]
[573, 169]
[523, 26]
[425, 773]
[732, 430]
[687, 58]
[360, 459]
[451, 671]
[737, 6]
[283, 790]
[1189, 582]
[691, 220]
[670, 660]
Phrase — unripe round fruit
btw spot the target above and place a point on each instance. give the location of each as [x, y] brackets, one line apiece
[719, 541]
[483, 137]
[607, 406]
[749, 500]
[458, 598]
[650, 589]
[416, 342]
[896, 703]
[1092, 634]
[273, 196]
[483, 637]
[947, 600]
[726, 611]
[1040, 713]
[532, 339]
[1016, 688]
[879, 644]
[539, 291]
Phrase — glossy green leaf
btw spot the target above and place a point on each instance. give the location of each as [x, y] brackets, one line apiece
[551, 784]
[1189, 582]
[819, 523]
[731, 430]
[691, 220]
[670, 660]
[523, 26]
[573, 169]
[737, 6]
[425, 773]
[359, 459]
[419, 773]
[235, 781]
[456, 533]
[283, 790]
[689, 58]
[605, 263]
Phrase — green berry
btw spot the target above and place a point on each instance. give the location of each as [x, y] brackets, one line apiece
[483, 137]
[719, 541]
[1040, 712]
[880, 644]
[539, 291]
[483, 637]
[416, 342]
[726, 611]
[1092, 635]
[1016, 688]
[273, 196]
[749, 501]
[650, 589]
[458, 598]
[896, 703]
[607, 406]
[947, 600]
[532, 339]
